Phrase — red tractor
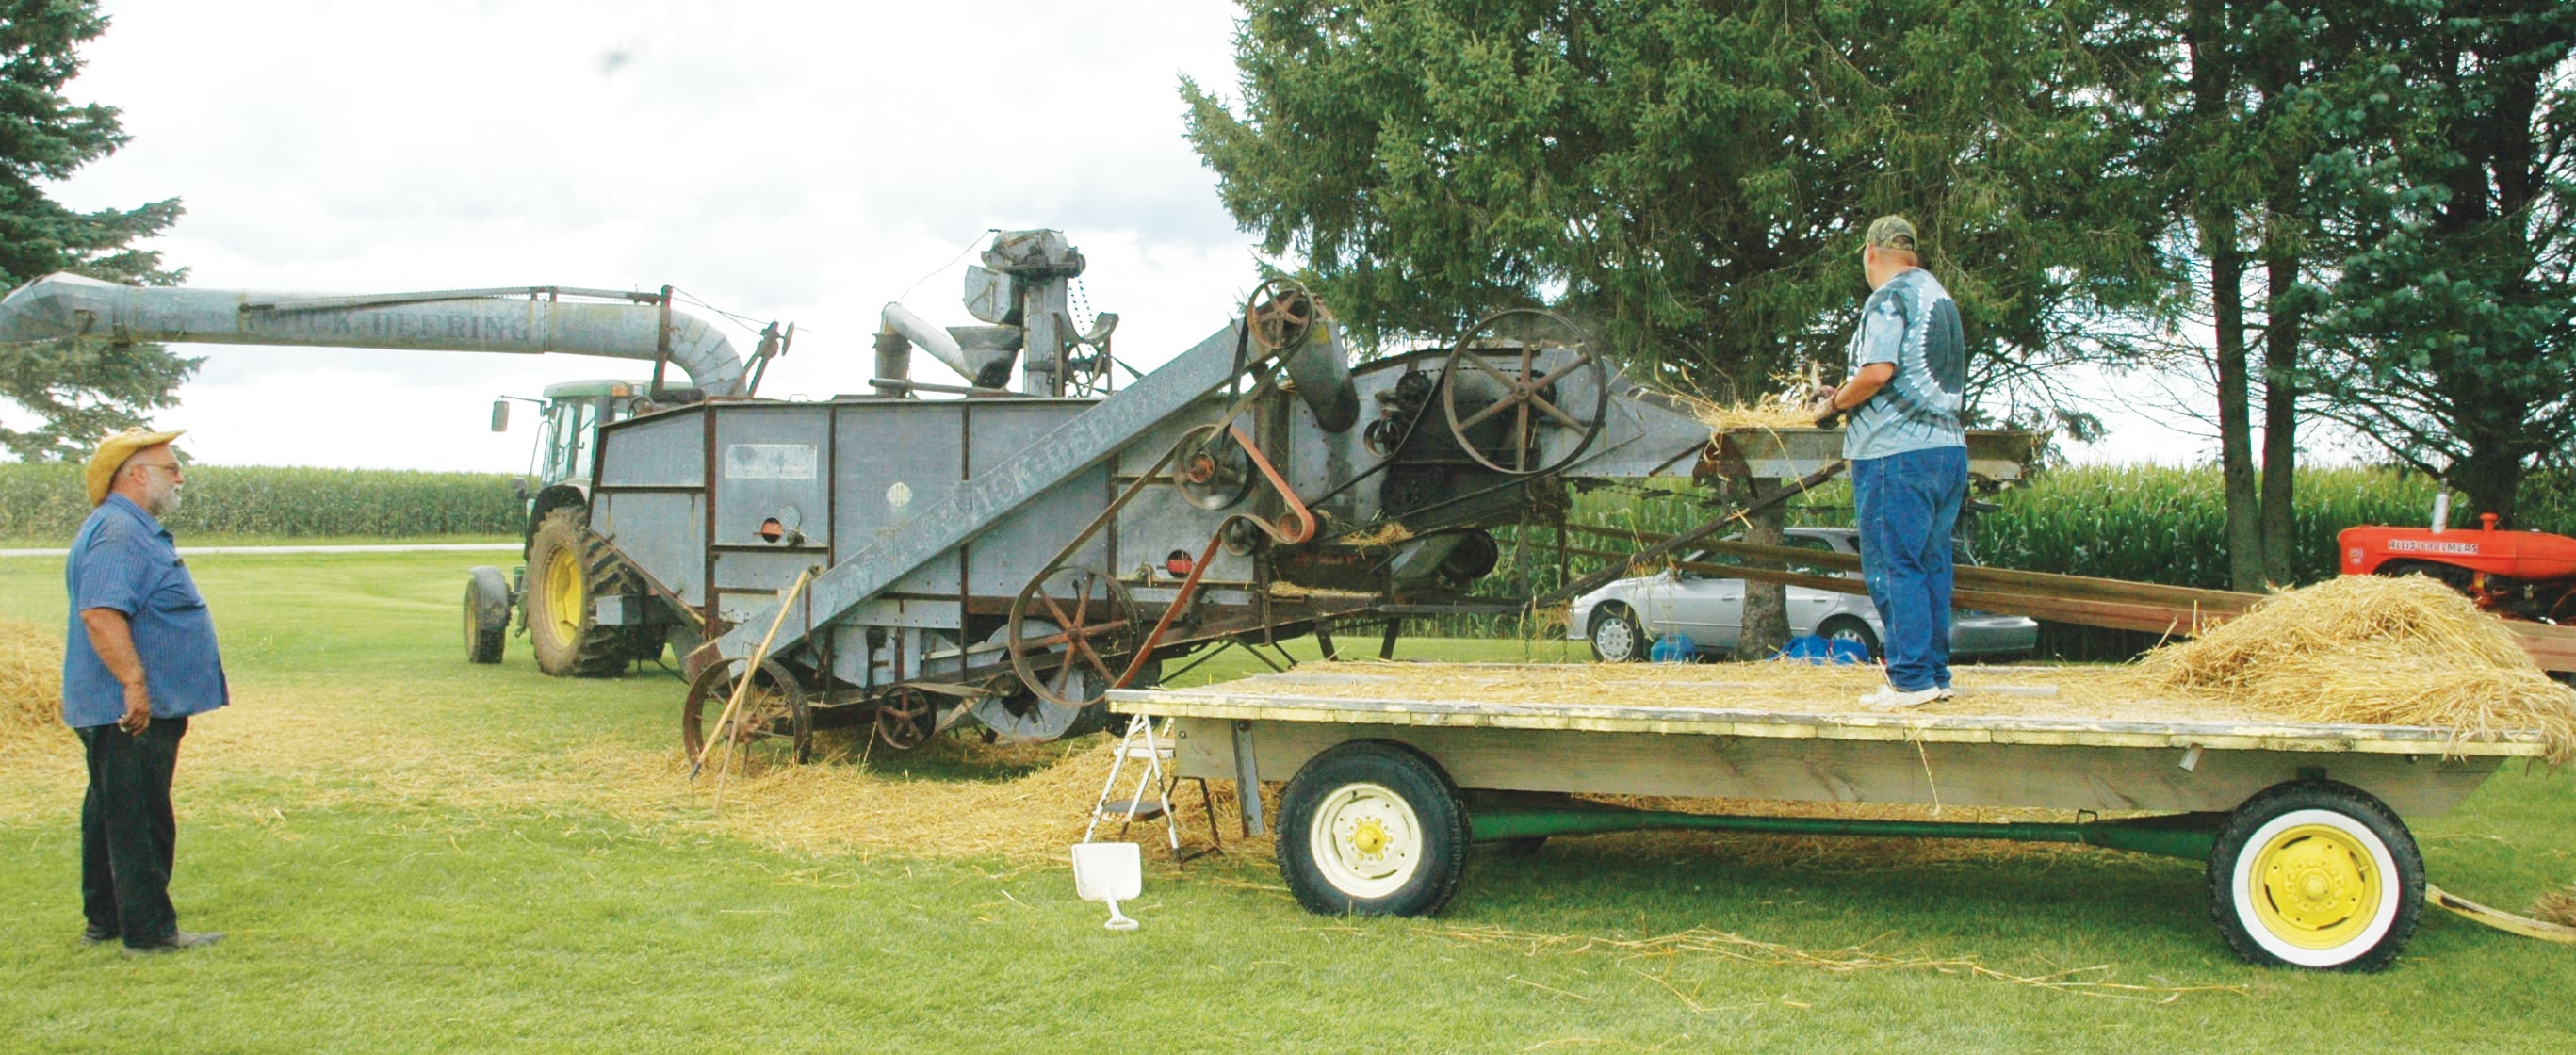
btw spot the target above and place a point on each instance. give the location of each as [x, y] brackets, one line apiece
[2515, 574]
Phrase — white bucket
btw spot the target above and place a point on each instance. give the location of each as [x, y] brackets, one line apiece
[1109, 873]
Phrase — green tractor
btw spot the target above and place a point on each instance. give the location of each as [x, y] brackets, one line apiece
[584, 612]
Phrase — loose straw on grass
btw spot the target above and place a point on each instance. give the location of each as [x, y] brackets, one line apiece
[1852, 960]
[2556, 906]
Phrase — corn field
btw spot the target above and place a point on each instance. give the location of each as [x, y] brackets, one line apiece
[42, 503]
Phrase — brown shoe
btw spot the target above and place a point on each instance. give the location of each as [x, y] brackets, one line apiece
[95, 936]
[177, 940]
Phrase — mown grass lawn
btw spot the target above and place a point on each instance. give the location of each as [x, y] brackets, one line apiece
[410, 854]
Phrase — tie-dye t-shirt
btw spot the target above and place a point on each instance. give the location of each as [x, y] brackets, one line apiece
[1911, 322]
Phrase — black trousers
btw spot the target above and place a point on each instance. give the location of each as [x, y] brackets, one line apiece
[127, 833]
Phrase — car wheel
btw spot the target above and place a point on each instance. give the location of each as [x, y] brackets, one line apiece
[1615, 635]
[1846, 628]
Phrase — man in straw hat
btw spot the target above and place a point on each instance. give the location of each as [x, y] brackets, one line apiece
[1908, 455]
[138, 660]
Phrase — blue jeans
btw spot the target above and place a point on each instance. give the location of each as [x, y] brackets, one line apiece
[1907, 505]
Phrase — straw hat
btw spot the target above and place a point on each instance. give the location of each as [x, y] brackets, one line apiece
[113, 452]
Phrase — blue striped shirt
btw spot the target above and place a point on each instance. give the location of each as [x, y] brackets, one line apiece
[1911, 322]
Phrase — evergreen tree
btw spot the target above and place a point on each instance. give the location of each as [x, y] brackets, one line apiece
[1690, 177]
[77, 390]
[2453, 301]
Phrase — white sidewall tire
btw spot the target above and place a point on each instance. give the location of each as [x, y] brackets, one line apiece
[2241, 894]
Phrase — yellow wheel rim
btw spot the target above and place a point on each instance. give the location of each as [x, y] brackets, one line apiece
[2315, 886]
[563, 594]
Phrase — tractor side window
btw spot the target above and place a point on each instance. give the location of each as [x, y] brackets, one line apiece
[577, 447]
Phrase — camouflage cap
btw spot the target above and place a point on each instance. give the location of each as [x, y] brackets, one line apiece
[1892, 232]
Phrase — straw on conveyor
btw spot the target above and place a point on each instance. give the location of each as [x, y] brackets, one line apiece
[1772, 416]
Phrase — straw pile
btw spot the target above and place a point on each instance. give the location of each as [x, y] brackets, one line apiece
[2374, 651]
[31, 680]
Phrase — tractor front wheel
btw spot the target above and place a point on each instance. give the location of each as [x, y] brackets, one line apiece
[569, 569]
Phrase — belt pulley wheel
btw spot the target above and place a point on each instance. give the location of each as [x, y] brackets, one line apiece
[1533, 375]
[1280, 314]
[773, 724]
[1070, 634]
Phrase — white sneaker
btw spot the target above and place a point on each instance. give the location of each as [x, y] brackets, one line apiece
[1949, 693]
[1889, 697]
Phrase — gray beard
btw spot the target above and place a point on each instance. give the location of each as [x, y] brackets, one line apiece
[162, 504]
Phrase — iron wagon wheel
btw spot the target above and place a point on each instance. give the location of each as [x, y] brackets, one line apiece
[774, 722]
[2316, 874]
[1529, 399]
[569, 570]
[1372, 828]
[1070, 632]
[905, 718]
[1279, 315]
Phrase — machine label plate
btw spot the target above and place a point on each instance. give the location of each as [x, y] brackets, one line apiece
[771, 461]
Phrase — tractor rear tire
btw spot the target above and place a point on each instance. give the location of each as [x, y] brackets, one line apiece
[487, 614]
[569, 570]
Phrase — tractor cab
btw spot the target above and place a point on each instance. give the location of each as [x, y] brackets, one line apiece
[572, 413]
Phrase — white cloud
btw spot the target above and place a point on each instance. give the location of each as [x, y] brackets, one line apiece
[801, 162]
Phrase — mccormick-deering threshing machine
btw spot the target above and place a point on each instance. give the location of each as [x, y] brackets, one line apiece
[1004, 555]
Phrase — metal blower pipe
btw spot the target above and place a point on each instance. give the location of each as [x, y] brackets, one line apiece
[517, 320]
[983, 368]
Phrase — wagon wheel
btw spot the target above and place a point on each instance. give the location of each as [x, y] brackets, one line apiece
[1067, 627]
[774, 723]
[1279, 315]
[1529, 398]
[905, 719]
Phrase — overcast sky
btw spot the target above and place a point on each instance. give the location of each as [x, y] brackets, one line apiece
[798, 162]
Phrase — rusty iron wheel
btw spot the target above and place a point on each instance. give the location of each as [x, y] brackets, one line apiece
[774, 723]
[905, 719]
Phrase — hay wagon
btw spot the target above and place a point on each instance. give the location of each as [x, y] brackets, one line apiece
[2310, 862]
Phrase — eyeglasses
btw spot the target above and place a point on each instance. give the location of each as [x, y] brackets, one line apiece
[172, 467]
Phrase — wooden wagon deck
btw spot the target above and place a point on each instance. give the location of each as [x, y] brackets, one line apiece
[1822, 752]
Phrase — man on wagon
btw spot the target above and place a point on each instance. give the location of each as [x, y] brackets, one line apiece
[1909, 457]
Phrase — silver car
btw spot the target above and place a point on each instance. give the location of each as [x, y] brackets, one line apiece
[1623, 618]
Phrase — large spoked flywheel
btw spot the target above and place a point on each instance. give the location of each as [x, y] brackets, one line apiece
[1070, 635]
[1515, 377]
